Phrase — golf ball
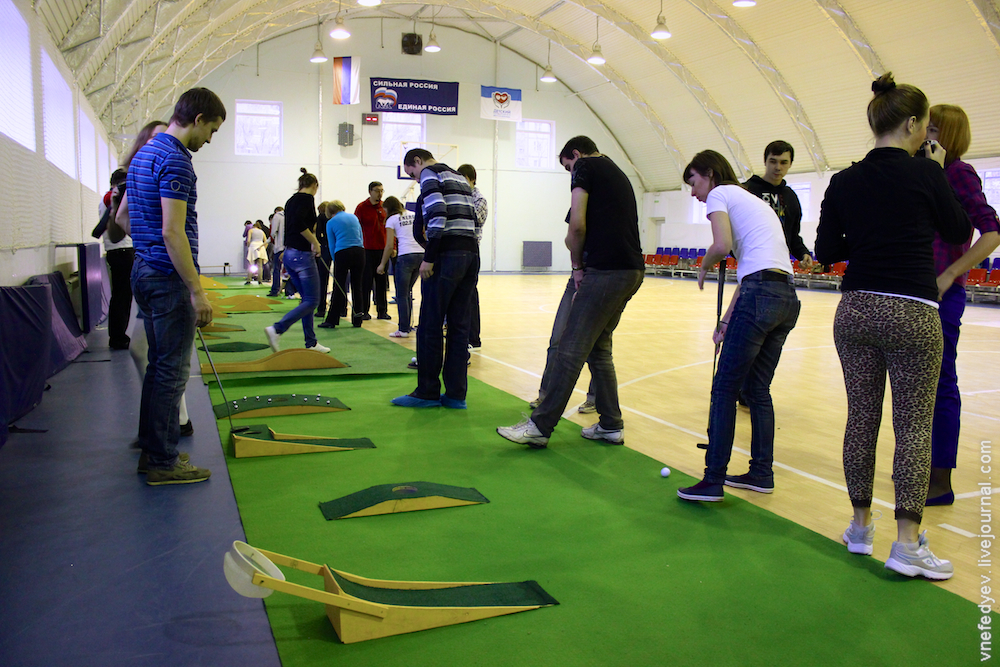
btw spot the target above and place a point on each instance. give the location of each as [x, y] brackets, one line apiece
[665, 472]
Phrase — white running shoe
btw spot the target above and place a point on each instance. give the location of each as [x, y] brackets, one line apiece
[524, 433]
[595, 432]
[319, 347]
[273, 338]
[859, 539]
[913, 559]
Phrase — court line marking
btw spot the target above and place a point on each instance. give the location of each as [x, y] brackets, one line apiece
[963, 533]
[981, 391]
[973, 494]
[974, 414]
[702, 436]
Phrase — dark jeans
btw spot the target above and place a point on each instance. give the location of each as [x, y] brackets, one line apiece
[558, 327]
[372, 279]
[475, 327]
[765, 313]
[593, 315]
[447, 293]
[406, 272]
[165, 305]
[948, 404]
[120, 267]
[276, 274]
[301, 267]
[323, 274]
[347, 261]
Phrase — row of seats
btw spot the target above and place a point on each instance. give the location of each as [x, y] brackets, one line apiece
[985, 264]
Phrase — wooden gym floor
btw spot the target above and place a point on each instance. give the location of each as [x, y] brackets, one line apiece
[663, 356]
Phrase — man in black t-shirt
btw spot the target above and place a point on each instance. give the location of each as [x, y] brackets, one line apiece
[608, 268]
[772, 188]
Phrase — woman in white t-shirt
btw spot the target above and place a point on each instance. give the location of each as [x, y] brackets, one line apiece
[256, 253]
[399, 227]
[753, 330]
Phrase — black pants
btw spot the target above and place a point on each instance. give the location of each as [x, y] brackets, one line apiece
[120, 268]
[372, 279]
[348, 260]
[324, 281]
[474, 326]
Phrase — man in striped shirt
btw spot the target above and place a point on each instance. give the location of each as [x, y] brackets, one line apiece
[160, 209]
[450, 271]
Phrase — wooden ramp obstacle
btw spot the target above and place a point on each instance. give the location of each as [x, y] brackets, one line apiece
[235, 346]
[277, 404]
[238, 300]
[208, 283]
[221, 328]
[405, 497]
[259, 440]
[286, 360]
[361, 609]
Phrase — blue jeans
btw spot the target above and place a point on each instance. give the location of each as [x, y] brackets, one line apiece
[593, 315]
[164, 302]
[761, 320]
[301, 267]
[447, 293]
[405, 273]
[558, 327]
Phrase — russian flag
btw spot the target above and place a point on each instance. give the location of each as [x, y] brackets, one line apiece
[346, 81]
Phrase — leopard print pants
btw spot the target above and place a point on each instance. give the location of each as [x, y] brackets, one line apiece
[875, 334]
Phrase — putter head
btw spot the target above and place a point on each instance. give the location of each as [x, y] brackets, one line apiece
[241, 562]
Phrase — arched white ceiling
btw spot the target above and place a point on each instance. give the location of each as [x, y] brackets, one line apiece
[731, 79]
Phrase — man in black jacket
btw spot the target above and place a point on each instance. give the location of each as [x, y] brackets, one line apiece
[778, 158]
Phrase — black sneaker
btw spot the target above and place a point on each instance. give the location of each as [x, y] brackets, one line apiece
[384, 316]
[187, 429]
[747, 481]
[703, 491]
[365, 316]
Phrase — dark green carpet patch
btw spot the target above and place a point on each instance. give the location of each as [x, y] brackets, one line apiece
[373, 495]
[514, 594]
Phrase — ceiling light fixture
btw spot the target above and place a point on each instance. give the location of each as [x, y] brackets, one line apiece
[369, 3]
[318, 56]
[744, 3]
[340, 30]
[432, 43]
[660, 31]
[547, 75]
[596, 57]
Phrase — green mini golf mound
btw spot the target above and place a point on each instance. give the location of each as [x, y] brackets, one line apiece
[276, 404]
[238, 346]
[259, 440]
[405, 497]
[512, 594]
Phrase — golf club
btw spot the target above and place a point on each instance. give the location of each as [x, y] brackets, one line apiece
[211, 363]
[718, 320]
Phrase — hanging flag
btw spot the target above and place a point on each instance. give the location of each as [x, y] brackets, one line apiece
[346, 81]
[500, 103]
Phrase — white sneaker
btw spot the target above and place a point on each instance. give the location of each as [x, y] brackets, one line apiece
[595, 432]
[319, 347]
[273, 338]
[524, 433]
[913, 559]
[399, 334]
[859, 539]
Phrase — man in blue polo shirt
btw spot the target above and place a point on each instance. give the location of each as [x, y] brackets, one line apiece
[160, 208]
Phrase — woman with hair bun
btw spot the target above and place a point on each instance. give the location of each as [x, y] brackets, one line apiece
[949, 126]
[301, 248]
[881, 215]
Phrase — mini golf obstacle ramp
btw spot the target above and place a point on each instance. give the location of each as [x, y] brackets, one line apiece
[361, 609]
[406, 497]
[221, 328]
[286, 360]
[208, 283]
[259, 440]
[239, 300]
[277, 404]
[236, 346]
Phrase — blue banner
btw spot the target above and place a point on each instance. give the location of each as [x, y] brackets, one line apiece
[415, 96]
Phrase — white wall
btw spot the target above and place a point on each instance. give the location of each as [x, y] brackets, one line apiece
[40, 205]
[524, 205]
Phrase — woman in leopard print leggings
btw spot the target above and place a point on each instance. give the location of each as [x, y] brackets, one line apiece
[881, 215]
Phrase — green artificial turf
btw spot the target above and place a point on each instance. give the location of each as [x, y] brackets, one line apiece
[642, 577]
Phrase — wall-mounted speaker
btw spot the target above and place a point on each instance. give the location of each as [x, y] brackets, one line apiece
[413, 44]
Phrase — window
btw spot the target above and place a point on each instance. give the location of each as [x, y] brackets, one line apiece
[400, 127]
[699, 213]
[17, 103]
[258, 128]
[803, 191]
[991, 187]
[88, 154]
[103, 166]
[58, 124]
[535, 147]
